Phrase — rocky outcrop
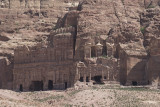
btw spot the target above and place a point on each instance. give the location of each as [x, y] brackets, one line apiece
[150, 22]
[26, 22]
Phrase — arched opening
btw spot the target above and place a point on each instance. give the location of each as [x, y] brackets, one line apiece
[50, 84]
[20, 87]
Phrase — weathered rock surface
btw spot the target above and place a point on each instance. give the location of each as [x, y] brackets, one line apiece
[28, 22]
[104, 23]
[117, 19]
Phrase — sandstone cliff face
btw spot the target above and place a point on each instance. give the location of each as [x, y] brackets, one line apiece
[120, 19]
[110, 22]
[28, 22]
[150, 24]
[115, 22]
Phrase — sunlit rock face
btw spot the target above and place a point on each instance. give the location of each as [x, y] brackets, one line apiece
[65, 41]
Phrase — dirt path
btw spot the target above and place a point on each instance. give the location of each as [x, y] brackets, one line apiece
[94, 96]
[11, 95]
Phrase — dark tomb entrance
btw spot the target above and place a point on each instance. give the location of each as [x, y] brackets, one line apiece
[134, 83]
[65, 85]
[87, 79]
[97, 79]
[81, 79]
[50, 84]
[20, 87]
[37, 85]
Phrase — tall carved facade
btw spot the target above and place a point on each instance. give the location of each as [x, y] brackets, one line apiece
[72, 54]
[54, 66]
[42, 68]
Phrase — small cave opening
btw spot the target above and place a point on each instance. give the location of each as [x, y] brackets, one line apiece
[98, 79]
[134, 83]
[4, 38]
[79, 8]
[65, 85]
[87, 79]
[81, 79]
[50, 84]
[21, 87]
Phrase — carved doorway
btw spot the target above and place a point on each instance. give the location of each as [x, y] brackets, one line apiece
[65, 85]
[20, 87]
[50, 84]
[37, 85]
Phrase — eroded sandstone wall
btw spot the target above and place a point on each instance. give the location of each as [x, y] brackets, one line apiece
[153, 68]
[136, 71]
